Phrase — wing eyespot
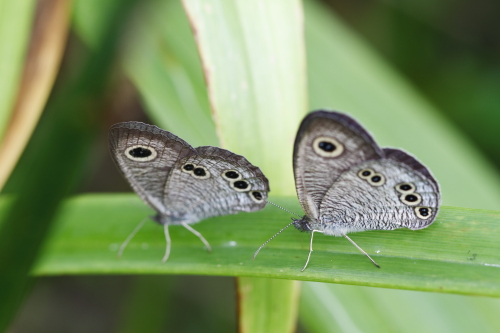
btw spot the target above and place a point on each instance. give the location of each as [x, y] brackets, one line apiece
[200, 172]
[410, 199]
[405, 188]
[240, 186]
[188, 168]
[141, 153]
[423, 212]
[231, 175]
[373, 178]
[327, 147]
[365, 173]
[377, 179]
[256, 196]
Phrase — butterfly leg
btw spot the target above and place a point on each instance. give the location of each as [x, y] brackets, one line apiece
[129, 238]
[167, 238]
[366, 254]
[200, 236]
[310, 249]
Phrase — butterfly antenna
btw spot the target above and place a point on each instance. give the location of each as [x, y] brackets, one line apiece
[129, 238]
[270, 239]
[167, 238]
[366, 254]
[200, 236]
[286, 210]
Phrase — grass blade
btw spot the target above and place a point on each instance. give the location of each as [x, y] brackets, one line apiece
[459, 253]
[42, 64]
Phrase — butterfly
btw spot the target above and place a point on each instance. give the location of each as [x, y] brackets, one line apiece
[346, 183]
[184, 185]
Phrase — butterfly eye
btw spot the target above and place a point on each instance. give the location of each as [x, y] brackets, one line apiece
[141, 153]
[188, 167]
[376, 179]
[365, 173]
[256, 196]
[241, 185]
[410, 199]
[231, 175]
[327, 147]
[201, 172]
[405, 188]
[423, 212]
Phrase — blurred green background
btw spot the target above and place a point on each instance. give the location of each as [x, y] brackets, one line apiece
[131, 60]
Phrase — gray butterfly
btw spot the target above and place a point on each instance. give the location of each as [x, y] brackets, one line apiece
[347, 183]
[184, 184]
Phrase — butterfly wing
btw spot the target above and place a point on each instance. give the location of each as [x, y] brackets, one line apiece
[327, 144]
[145, 155]
[393, 192]
[213, 182]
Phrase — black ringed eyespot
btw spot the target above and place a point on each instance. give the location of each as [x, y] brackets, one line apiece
[410, 199]
[241, 185]
[327, 146]
[405, 188]
[141, 153]
[377, 179]
[231, 175]
[423, 212]
[256, 196]
[365, 173]
[200, 172]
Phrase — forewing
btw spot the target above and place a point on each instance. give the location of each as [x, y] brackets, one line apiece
[316, 168]
[227, 184]
[147, 175]
[407, 195]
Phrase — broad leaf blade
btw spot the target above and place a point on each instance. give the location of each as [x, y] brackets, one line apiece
[459, 253]
[254, 62]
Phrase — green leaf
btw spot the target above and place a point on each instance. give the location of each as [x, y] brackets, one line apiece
[254, 61]
[333, 308]
[15, 31]
[268, 305]
[459, 253]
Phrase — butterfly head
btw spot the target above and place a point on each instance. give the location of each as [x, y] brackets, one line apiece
[303, 224]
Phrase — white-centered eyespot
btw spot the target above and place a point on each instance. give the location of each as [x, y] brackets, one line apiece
[405, 188]
[231, 175]
[366, 173]
[423, 212]
[410, 199]
[188, 167]
[327, 146]
[141, 153]
[256, 196]
[376, 179]
[240, 186]
[200, 172]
